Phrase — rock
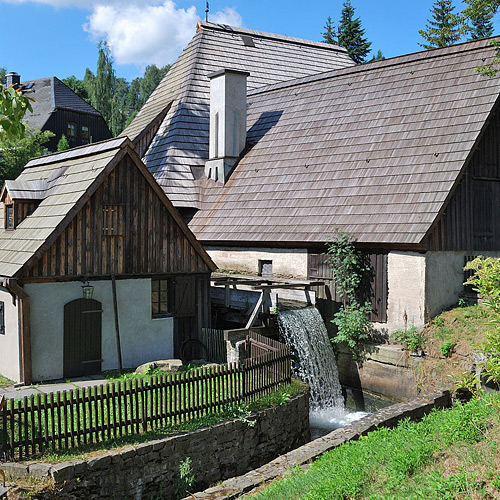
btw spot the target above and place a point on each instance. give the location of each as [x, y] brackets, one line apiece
[164, 365]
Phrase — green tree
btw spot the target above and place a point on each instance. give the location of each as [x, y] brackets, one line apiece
[444, 28]
[63, 144]
[152, 77]
[3, 72]
[16, 153]
[13, 107]
[479, 18]
[329, 35]
[77, 86]
[378, 56]
[104, 83]
[352, 35]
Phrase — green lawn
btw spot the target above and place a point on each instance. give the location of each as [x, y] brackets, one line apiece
[450, 454]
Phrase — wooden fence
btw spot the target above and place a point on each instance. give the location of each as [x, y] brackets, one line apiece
[68, 419]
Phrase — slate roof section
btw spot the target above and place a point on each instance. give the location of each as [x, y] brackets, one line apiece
[50, 94]
[374, 149]
[178, 152]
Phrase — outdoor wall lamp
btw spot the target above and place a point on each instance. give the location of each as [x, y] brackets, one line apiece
[87, 289]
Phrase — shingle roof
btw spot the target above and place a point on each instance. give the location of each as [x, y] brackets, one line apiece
[50, 94]
[374, 149]
[67, 177]
[178, 152]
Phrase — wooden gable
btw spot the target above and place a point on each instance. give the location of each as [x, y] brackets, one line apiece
[126, 227]
[470, 218]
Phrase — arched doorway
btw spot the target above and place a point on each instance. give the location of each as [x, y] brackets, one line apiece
[82, 337]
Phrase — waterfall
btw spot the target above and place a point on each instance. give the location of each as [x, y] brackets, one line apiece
[305, 331]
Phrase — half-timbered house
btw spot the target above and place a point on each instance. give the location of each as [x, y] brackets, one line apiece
[98, 270]
[402, 154]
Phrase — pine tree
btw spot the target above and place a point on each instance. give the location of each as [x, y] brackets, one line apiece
[329, 33]
[480, 14]
[444, 27]
[351, 34]
[378, 56]
[63, 144]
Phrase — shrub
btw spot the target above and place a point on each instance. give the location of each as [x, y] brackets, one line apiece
[446, 348]
[410, 338]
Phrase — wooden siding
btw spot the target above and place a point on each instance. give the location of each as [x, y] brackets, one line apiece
[374, 289]
[58, 124]
[149, 241]
[21, 208]
[470, 219]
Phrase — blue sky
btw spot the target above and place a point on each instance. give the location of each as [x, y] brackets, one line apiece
[58, 37]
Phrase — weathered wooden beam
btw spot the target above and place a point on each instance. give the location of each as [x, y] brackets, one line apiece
[289, 285]
[255, 312]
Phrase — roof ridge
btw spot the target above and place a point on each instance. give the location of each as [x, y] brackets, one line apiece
[273, 36]
[79, 152]
[372, 65]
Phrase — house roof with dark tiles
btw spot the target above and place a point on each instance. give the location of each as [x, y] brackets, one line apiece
[179, 150]
[374, 149]
[49, 94]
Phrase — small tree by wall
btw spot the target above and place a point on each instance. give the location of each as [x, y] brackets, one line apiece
[349, 270]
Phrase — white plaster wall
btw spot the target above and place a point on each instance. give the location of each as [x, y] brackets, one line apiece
[142, 338]
[288, 262]
[406, 290]
[9, 343]
[444, 278]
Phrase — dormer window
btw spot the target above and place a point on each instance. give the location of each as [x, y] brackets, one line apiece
[9, 216]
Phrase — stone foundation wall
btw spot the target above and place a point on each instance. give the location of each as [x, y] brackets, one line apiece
[387, 417]
[151, 469]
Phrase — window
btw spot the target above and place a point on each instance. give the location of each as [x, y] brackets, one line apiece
[161, 298]
[2, 319]
[9, 216]
[71, 131]
[112, 220]
[265, 268]
[85, 134]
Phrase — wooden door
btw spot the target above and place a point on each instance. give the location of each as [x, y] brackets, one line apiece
[82, 337]
[185, 302]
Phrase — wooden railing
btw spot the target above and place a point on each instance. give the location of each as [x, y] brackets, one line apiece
[62, 420]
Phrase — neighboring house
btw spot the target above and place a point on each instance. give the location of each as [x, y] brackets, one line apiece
[94, 216]
[402, 153]
[58, 109]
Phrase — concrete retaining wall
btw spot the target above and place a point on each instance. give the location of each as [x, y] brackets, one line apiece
[387, 417]
[387, 370]
[151, 469]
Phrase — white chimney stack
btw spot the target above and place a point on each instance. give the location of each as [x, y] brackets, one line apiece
[228, 122]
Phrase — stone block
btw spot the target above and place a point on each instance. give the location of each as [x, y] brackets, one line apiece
[144, 448]
[15, 470]
[80, 466]
[39, 470]
[127, 453]
[62, 472]
[99, 462]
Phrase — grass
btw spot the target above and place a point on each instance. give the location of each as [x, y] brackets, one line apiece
[242, 411]
[450, 454]
[5, 382]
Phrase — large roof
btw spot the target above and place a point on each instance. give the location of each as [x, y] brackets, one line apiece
[50, 94]
[62, 182]
[181, 144]
[374, 149]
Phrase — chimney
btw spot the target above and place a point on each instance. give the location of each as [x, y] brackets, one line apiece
[228, 122]
[13, 79]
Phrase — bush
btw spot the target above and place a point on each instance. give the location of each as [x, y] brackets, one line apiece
[446, 348]
[410, 338]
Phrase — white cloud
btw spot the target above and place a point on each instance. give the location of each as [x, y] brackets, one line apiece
[153, 33]
[141, 31]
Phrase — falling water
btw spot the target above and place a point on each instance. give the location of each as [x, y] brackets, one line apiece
[305, 331]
